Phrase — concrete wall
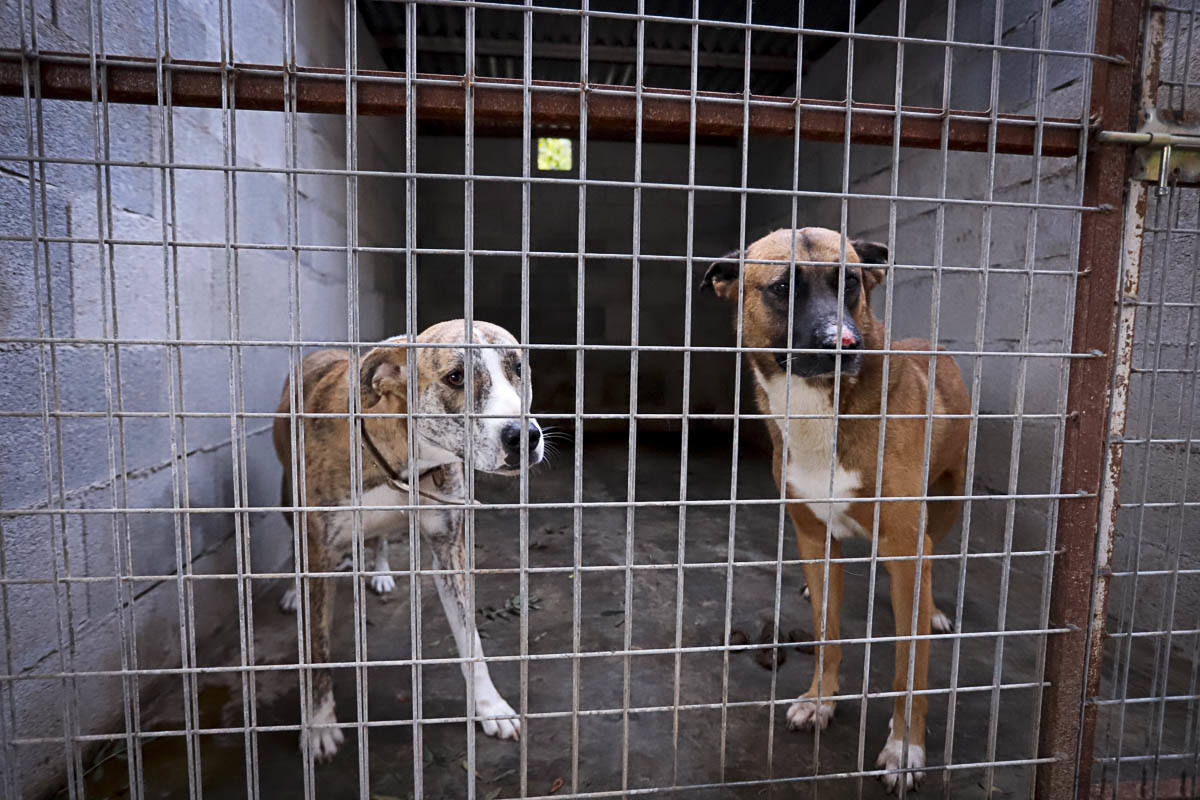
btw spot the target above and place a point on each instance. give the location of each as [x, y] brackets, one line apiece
[69, 295]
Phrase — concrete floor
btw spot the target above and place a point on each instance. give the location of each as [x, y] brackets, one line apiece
[755, 744]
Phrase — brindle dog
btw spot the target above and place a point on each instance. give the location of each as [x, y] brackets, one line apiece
[501, 392]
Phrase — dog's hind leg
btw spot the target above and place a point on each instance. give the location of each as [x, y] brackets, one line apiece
[382, 584]
[287, 603]
[941, 517]
[321, 738]
[449, 553]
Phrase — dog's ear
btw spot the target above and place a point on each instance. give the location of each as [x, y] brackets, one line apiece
[383, 371]
[722, 277]
[871, 253]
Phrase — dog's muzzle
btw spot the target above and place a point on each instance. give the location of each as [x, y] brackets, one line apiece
[510, 438]
[825, 364]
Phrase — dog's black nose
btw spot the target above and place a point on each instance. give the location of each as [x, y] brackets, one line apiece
[510, 436]
[849, 340]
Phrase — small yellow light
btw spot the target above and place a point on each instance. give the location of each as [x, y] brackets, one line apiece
[554, 154]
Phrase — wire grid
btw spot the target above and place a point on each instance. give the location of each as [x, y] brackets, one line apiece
[142, 705]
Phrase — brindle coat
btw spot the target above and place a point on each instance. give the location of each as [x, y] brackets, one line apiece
[900, 532]
[441, 443]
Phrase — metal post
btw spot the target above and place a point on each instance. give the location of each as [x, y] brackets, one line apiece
[1067, 720]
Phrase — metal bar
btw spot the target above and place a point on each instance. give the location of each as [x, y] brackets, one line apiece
[564, 570]
[411, 329]
[590, 712]
[576, 575]
[478, 506]
[597, 654]
[631, 472]
[685, 392]
[523, 533]
[1140, 139]
[554, 105]
[1067, 722]
[731, 537]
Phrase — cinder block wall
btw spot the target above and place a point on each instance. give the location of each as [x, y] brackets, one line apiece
[196, 293]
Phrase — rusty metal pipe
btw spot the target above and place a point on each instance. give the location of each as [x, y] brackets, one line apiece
[1068, 720]
[441, 105]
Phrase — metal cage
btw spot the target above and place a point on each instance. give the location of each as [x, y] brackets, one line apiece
[198, 195]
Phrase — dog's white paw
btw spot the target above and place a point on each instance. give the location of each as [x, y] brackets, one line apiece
[807, 713]
[940, 623]
[289, 602]
[321, 736]
[498, 718]
[382, 584]
[889, 759]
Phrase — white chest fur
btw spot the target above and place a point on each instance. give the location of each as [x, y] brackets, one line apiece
[810, 452]
[379, 518]
[379, 521]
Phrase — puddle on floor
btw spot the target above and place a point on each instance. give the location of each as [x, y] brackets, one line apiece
[165, 759]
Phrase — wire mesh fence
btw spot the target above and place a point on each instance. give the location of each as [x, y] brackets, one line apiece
[473, 244]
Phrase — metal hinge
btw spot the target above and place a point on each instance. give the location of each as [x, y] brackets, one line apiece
[1159, 142]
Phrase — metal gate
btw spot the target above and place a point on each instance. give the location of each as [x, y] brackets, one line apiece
[197, 196]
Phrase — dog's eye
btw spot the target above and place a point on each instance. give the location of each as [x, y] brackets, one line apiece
[517, 367]
[454, 378]
[851, 282]
[780, 288]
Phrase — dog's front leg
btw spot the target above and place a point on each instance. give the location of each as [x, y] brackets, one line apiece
[903, 575]
[321, 738]
[814, 709]
[382, 584]
[449, 552]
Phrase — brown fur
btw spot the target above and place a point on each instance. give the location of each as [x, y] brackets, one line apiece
[900, 532]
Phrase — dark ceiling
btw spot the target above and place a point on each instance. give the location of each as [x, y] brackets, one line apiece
[612, 41]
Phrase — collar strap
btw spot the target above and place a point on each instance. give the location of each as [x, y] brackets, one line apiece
[396, 481]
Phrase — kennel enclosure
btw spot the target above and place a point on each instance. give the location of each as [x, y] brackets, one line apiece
[198, 194]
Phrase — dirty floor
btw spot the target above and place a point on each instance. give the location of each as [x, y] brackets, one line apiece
[743, 741]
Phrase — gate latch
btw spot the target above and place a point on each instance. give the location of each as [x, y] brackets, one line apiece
[1159, 142]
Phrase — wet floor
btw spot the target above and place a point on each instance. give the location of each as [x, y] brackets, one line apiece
[728, 732]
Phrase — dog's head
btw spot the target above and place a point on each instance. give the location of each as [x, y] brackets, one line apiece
[498, 381]
[809, 292]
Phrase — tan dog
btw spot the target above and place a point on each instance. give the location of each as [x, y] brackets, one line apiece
[501, 393]
[839, 332]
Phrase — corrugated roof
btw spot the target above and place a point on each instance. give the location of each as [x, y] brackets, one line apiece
[612, 41]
